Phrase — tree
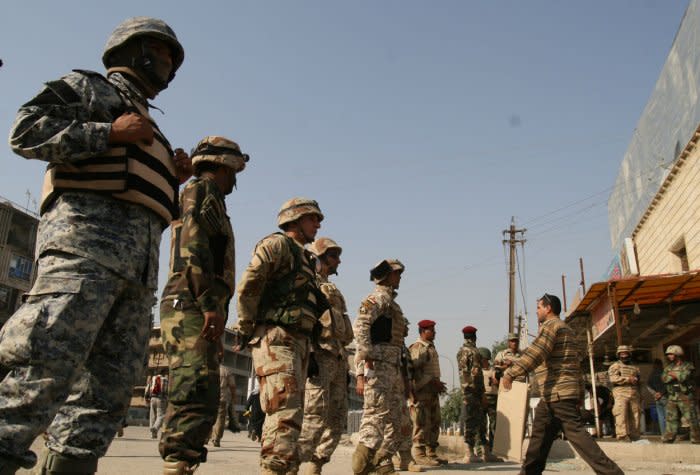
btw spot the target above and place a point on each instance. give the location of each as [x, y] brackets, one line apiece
[452, 408]
[499, 345]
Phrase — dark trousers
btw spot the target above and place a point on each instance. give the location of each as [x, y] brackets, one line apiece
[549, 419]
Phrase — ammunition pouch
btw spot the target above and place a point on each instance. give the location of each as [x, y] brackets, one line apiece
[380, 331]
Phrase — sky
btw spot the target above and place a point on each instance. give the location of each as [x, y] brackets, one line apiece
[421, 128]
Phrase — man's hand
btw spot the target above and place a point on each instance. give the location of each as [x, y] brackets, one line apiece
[213, 326]
[657, 396]
[131, 128]
[507, 382]
[475, 370]
[183, 165]
[360, 386]
[241, 342]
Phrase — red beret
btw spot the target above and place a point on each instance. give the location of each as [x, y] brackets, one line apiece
[426, 324]
[469, 329]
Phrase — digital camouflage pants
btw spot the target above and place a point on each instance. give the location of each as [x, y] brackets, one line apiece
[193, 396]
[69, 358]
[426, 422]
[325, 407]
[280, 359]
[381, 416]
[681, 405]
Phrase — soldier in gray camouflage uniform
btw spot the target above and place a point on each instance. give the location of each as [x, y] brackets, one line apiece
[72, 352]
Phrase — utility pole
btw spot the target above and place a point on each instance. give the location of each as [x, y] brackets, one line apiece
[512, 241]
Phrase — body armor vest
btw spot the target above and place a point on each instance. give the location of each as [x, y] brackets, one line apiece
[137, 173]
[294, 300]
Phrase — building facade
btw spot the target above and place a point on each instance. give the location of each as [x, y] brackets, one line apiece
[18, 229]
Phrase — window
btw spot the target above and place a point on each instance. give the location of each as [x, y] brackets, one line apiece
[20, 268]
[22, 232]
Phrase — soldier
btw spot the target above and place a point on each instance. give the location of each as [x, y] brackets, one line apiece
[379, 333]
[679, 377]
[472, 381]
[326, 395]
[555, 357]
[627, 408]
[227, 401]
[110, 188]
[427, 388]
[488, 427]
[279, 304]
[504, 358]
[194, 306]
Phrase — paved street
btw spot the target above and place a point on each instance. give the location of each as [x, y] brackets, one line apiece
[136, 453]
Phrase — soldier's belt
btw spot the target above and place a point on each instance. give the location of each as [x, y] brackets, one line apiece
[293, 327]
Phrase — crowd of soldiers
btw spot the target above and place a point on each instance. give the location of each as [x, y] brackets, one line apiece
[71, 354]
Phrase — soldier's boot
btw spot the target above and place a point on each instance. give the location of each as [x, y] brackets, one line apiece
[267, 470]
[177, 467]
[383, 464]
[362, 460]
[314, 466]
[53, 463]
[694, 435]
[419, 455]
[404, 461]
[432, 454]
[488, 457]
[470, 456]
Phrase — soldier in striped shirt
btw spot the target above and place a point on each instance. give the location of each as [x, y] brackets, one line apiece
[555, 357]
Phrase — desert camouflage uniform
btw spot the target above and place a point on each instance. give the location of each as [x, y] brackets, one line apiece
[680, 386]
[627, 408]
[82, 332]
[202, 268]
[426, 408]
[280, 352]
[472, 381]
[227, 403]
[383, 400]
[507, 355]
[326, 394]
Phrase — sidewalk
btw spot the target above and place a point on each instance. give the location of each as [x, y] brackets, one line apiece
[137, 454]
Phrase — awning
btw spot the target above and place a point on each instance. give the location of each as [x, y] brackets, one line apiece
[643, 311]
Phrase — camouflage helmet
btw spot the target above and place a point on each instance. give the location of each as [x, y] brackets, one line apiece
[623, 349]
[674, 350]
[217, 149]
[295, 208]
[144, 26]
[383, 268]
[322, 244]
[485, 353]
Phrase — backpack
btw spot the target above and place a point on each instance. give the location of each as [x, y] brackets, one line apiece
[156, 389]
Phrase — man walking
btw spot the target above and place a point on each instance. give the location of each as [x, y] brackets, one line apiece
[471, 379]
[194, 306]
[555, 357]
[379, 332]
[627, 409]
[326, 394]
[279, 304]
[156, 395]
[427, 388]
[70, 355]
[657, 388]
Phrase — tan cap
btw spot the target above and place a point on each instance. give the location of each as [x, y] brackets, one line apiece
[221, 150]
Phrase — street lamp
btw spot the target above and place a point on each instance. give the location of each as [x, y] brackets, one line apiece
[453, 369]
